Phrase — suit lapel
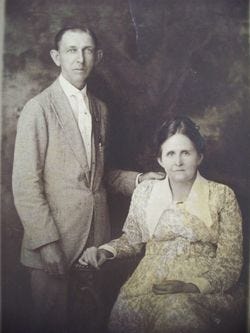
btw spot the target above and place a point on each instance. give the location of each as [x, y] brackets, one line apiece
[62, 108]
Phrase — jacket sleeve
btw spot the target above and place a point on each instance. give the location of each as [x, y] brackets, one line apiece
[116, 179]
[133, 237]
[122, 181]
[28, 184]
[226, 266]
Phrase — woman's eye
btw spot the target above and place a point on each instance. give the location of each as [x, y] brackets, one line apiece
[170, 154]
[186, 153]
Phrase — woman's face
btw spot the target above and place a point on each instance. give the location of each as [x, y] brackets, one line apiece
[179, 158]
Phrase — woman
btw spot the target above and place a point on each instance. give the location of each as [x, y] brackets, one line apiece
[192, 230]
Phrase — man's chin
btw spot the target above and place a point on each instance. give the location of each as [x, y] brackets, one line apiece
[79, 80]
[81, 74]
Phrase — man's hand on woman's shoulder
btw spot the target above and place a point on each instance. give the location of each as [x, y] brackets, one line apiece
[151, 175]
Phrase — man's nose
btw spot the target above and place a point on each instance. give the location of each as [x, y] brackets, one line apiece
[81, 57]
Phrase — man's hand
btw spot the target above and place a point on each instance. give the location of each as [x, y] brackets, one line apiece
[174, 287]
[95, 257]
[151, 175]
[53, 259]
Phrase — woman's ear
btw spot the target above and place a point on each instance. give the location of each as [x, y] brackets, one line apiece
[159, 161]
[55, 57]
[200, 159]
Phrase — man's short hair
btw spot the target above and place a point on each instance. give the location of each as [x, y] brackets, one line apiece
[61, 32]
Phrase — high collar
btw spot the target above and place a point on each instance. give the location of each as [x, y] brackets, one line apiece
[69, 89]
[197, 202]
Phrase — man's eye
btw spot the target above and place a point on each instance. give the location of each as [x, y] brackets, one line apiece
[89, 51]
[170, 154]
[71, 50]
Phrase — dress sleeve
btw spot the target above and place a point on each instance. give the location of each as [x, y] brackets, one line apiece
[226, 266]
[132, 240]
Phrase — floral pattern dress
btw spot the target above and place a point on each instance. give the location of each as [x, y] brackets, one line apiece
[181, 247]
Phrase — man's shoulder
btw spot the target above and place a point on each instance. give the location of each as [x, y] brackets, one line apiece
[45, 95]
[39, 102]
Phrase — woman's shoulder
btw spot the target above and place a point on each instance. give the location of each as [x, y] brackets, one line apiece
[145, 185]
[218, 186]
[220, 190]
[144, 188]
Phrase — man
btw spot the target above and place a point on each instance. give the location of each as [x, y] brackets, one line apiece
[58, 175]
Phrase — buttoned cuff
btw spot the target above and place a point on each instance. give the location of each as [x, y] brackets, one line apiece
[109, 249]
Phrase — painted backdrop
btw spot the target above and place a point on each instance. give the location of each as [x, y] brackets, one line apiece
[161, 58]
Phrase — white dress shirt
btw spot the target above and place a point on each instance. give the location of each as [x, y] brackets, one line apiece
[78, 100]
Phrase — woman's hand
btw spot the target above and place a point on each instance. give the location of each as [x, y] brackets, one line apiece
[94, 257]
[174, 287]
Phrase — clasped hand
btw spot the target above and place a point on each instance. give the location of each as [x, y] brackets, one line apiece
[94, 257]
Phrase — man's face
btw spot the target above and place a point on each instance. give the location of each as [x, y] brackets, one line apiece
[76, 56]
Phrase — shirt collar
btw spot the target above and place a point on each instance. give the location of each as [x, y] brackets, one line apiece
[69, 89]
[197, 202]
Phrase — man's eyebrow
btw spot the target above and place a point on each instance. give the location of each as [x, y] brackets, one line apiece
[85, 47]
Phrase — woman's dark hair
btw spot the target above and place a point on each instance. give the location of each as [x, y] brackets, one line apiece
[61, 32]
[182, 125]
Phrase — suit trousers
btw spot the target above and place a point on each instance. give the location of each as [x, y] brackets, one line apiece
[50, 301]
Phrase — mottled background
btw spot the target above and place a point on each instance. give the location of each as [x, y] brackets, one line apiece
[161, 58]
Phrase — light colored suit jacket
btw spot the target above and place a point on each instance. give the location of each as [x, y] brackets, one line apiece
[57, 196]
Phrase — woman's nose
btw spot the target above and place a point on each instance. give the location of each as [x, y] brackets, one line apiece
[178, 160]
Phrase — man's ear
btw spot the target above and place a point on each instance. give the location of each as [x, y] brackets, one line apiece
[99, 56]
[55, 57]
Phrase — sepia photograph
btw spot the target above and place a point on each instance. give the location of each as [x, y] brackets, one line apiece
[125, 167]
